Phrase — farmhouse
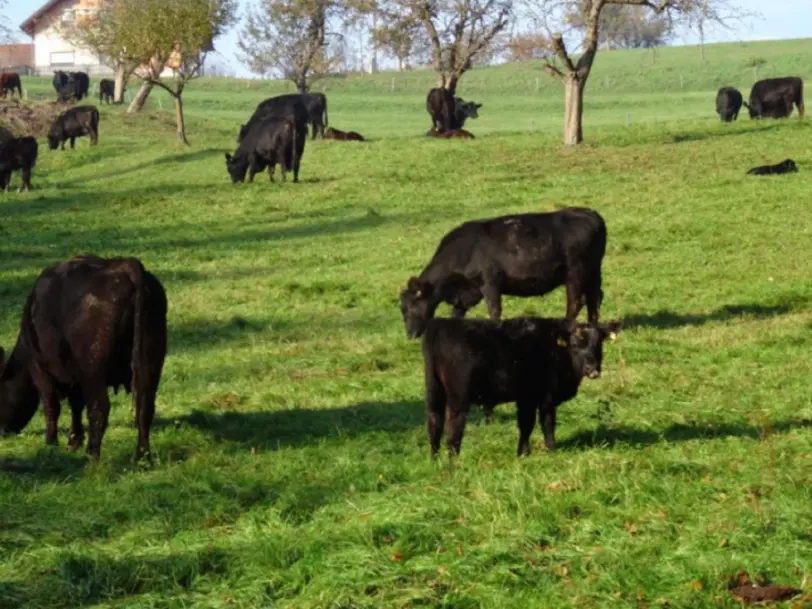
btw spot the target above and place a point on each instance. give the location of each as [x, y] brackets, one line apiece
[51, 50]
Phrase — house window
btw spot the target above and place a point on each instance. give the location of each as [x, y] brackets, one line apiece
[68, 18]
[62, 58]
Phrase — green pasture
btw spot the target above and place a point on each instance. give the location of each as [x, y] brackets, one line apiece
[291, 467]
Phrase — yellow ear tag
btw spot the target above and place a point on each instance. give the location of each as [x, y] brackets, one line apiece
[419, 293]
[612, 336]
[562, 342]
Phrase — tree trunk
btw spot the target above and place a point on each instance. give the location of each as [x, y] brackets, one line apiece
[141, 98]
[573, 110]
[301, 83]
[121, 82]
[179, 118]
[451, 83]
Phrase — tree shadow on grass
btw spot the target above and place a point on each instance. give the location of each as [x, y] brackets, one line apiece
[609, 436]
[182, 157]
[209, 333]
[666, 319]
[300, 426]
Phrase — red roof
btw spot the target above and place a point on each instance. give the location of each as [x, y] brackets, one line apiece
[29, 24]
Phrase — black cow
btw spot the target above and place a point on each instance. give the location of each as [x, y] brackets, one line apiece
[71, 85]
[518, 255]
[787, 166]
[107, 90]
[60, 82]
[73, 123]
[82, 84]
[89, 324]
[307, 108]
[17, 153]
[448, 112]
[774, 97]
[271, 141]
[8, 82]
[537, 363]
[728, 103]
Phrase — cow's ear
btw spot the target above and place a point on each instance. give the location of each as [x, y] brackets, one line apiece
[563, 332]
[478, 106]
[228, 157]
[414, 285]
[611, 329]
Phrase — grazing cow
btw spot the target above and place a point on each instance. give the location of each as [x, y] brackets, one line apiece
[537, 363]
[8, 82]
[344, 136]
[307, 108]
[271, 141]
[73, 123]
[449, 112]
[17, 154]
[517, 255]
[728, 103]
[81, 84]
[774, 97]
[450, 134]
[107, 90]
[89, 324]
[64, 86]
[787, 166]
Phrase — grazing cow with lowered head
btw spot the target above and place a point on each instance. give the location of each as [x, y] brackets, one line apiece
[73, 123]
[774, 97]
[107, 90]
[8, 82]
[449, 112]
[343, 136]
[17, 154]
[307, 108]
[537, 363]
[271, 141]
[89, 323]
[450, 134]
[728, 103]
[787, 166]
[517, 255]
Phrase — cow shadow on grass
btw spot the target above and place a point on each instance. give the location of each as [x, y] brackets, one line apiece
[609, 436]
[203, 334]
[303, 426]
[666, 319]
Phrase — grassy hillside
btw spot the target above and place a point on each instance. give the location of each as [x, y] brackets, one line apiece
[290, 460]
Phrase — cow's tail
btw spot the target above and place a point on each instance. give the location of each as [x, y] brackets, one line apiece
[95, 126]
[326, 119]
[136, 272]
[294, 130]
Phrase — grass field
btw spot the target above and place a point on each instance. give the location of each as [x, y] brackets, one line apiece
[291, 467]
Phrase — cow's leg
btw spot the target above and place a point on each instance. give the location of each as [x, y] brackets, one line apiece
[315, 130]
[488, 410]
[270, 171]
[594, 298]
[456, 415]
[98, 414]
[77, 433]
[26, 185]
[547, 422]
[493, 300]
[575, 299]
[458, 312]
[435, 413]
[144, 414]
[51, 409]
[63, 144]
[72, 143]
[526, 419]
[252, 167]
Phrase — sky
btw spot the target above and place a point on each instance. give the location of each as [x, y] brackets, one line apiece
[776, 19]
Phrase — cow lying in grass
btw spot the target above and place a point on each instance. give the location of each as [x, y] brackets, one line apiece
[787, 166]
[537, 363]
[343, 136]
[450, 134]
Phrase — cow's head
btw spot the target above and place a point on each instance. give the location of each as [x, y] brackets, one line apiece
[751, 110]
[789, 166]
[584, 342]
[417, 305]
[468, 109]
[53, 142]
[237, 167]
[18, 396]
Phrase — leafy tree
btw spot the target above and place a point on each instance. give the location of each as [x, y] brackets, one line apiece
[627, 27]
[459, 31]
[526, 47]
[291, 38]
[573, 71]
[151, 35]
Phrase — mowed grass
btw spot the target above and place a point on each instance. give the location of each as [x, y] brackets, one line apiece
[291, 466]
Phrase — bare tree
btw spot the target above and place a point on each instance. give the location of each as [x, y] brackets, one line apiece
[573, 71]
[405, 40]
[6, 32]
[292, 38]
[526, 47]
[458, 31]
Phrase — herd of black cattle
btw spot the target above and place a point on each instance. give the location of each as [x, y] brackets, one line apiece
[91, 323]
